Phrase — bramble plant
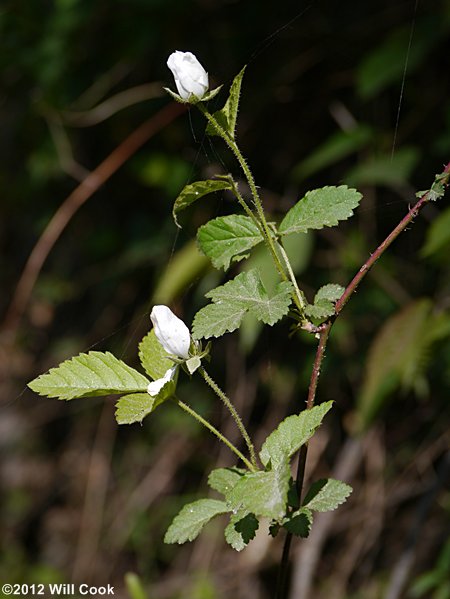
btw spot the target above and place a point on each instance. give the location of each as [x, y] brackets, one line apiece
[261, 486]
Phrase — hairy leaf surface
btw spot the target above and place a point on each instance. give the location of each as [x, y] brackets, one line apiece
[232, 301]
[227, 237]
[89, 375]
[189, 522]
[320, 208]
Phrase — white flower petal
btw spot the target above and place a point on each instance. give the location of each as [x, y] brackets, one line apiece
[155, 386]
[190, 76]
[171, 331]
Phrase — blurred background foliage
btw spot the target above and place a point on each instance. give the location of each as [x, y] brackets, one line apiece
[335, 92]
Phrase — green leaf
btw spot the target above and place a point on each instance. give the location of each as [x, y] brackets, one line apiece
[320, 208]
[262, 493]
[227, 116]
[399, 356]
[299, 522]
[291, 434]
[438, 235]
[187, 525]
[231, 301]
[326, 494]
[335, 148]
[153, 356]
[385, 169]
[224, 480]
[324, 301]
[241, 530]
[227, 237]
[89, 375]
[135, 407]
[194, 191]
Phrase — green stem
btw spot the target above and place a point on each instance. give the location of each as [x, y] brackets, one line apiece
[218, 391]
[251, 181]
[215, 432]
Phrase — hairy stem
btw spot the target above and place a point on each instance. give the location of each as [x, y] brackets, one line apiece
[214, 431]
[268, 238]
[218, 391]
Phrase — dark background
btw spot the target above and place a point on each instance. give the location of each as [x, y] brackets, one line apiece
[335, 92]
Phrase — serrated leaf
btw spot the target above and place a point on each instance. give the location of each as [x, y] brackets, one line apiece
[326, 494]
[89, 375]
[135, 407]
[224, 480]
[324, 301]
[226, 237]
[245, 293]
[299, 522]
[226, 117]
[153, 356]
[241, 530]
[187, 525]
[320, 208]
[194, 191]
[293, 432]
[262, 493]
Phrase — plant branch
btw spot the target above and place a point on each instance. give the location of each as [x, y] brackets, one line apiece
[214, 431]
[218, 391]
[437, 190]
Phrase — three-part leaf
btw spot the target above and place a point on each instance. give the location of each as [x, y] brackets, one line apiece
[89, 375]
[187, 525]
[320, 208]
[194, 191]
[245, 293]
[291, 434]
[227, 116]
[228, 237]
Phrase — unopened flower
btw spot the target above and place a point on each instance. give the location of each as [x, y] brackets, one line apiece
[191, 78]
[155, 386]
[171, 332]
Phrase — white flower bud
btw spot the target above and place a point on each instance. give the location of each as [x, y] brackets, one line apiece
[171, 332]
[190, 77]
[155, 386]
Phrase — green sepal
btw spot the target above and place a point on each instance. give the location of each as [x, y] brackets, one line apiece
[226, 117]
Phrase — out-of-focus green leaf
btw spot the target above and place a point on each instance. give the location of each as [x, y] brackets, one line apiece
[438, 235]
[183, 269]
[385, 169]
[386, 64]
[336, 147]
[399, 356]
